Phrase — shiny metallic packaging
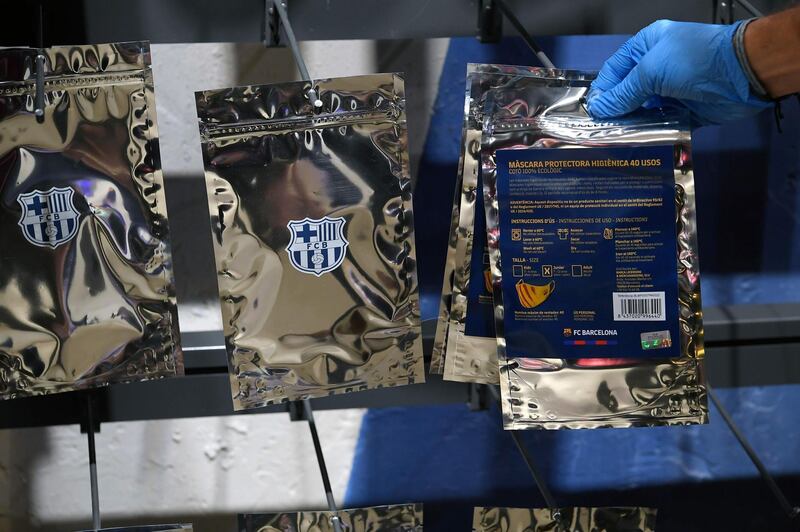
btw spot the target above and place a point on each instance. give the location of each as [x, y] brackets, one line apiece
[314, 237]
[552, 393]
[463, 357]
[397, 518]
[147, 528]
[87, 294]
[569, 520]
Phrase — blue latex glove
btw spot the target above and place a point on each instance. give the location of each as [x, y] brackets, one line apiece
[691, 64]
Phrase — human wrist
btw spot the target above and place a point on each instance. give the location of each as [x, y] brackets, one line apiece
[772, 48]
[741, 54]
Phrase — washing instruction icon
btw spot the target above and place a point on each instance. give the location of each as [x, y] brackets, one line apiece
[563, 234]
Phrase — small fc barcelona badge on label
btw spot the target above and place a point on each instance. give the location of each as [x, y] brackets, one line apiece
[49, 217]
[317, 246]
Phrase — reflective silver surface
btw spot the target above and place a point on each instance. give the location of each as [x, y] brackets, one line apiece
[570, 520]
[86, 286]
[147, 528]
[283, 178]
[398, 518]
[548, 112]
[459, 356]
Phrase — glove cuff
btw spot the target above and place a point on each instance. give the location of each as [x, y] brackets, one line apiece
[738, 46]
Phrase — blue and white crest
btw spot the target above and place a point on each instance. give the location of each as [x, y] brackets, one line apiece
[49, 217]
[317, 246]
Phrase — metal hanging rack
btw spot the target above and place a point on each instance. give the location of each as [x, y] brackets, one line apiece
[92, 427]
[303, 410]
[276, 18]
[792, 512]
[533, 469]
[724, 11]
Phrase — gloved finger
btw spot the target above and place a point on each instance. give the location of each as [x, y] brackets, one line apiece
[619, 65]
[653, 102]
[615, 68]
[625, 97]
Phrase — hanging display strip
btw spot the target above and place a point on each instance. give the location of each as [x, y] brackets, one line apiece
[87, 295]
[566, 519]
[314, 237]
[464, 347]
[395, 518]
[618, 343]
[146, 528]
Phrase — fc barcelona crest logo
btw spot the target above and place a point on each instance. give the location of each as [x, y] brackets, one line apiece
[49, 217]
[317, 246]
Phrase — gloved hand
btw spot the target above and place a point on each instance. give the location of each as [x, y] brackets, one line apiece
[694, 65]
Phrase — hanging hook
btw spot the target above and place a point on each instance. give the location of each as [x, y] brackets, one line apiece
[92, 427]
[38, 109]
[311, 94]
[326, 483]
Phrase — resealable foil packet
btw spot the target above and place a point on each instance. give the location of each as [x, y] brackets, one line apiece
[462, 356]
[87, 294]
[314, 237]
[555, 393]
[146, 528]
[487, 519]
[395, 518]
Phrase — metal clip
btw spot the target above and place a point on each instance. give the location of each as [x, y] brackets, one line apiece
[311, 93]
[38, 109]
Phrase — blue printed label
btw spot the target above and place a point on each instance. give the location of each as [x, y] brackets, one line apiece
[588, 247]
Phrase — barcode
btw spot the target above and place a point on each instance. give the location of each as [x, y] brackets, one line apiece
[638, 306]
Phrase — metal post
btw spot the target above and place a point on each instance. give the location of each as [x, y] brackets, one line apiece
[326, 483]
[490, 22]
[524, 34]
[793, 512]
[90, 430]
[280, 6]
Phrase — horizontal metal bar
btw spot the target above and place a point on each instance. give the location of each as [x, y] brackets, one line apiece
[749, 345]
[209, 394]
[202, 396]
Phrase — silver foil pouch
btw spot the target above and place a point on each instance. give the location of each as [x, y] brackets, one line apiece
[87, 295]
[464, 347]
[592, 236]
[314, 237]
[565, 520]
[146, 528]
[396, 518]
